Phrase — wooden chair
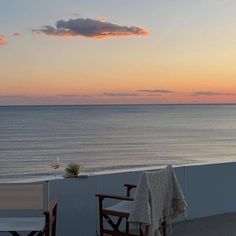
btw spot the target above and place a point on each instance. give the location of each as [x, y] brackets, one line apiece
[53, 219]
[120, 214]
[24, 207]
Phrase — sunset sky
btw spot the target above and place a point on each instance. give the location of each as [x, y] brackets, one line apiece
[117, 52]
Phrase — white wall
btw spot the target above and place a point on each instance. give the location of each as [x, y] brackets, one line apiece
[209, 190]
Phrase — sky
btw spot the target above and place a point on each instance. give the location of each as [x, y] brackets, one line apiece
[117, 52]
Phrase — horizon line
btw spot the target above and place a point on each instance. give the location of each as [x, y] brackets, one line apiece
[117, 104]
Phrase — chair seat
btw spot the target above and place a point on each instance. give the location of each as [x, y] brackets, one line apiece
[22, 224]
[122, 206]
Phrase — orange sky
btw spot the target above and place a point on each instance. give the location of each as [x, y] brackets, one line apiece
[192, 57]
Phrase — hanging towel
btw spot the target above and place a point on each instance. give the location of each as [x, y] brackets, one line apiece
[158, 196]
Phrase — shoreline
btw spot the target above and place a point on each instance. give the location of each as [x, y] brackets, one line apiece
[51, 177]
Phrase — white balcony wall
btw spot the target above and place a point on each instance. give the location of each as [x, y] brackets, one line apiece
[209, 190]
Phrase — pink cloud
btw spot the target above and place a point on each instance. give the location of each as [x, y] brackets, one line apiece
[3, 40]
[90, 28]
[211, 93]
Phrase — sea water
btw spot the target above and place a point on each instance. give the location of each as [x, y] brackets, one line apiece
[113, 137]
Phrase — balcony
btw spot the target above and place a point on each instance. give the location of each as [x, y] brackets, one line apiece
[209, 190]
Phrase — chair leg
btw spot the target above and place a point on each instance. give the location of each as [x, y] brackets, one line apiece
[140, 230]
[127, 225]
[164, 228]
[101, 215]
[47, 224]
[54, 217]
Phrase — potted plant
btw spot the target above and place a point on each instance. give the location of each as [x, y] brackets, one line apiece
[72, 170]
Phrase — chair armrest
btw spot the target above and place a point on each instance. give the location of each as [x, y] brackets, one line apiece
[51, 217]
[53, 206]
[129, 187]
[117, 197]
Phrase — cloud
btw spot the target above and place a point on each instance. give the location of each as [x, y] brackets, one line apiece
[74, 96]
[87, 96]
[68, 95]
[13, 96]
[3, 40]
[17, 34]
[24, 97]
[90, 28]
[102, 18]
[120, 94]
[211, 93]
[162, 91]
[153, 95]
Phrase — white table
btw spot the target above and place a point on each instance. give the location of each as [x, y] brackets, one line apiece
[33, 225]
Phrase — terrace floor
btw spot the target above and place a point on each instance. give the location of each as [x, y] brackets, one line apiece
[219, 225]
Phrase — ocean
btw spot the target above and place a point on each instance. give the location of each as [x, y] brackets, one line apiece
[113, 137]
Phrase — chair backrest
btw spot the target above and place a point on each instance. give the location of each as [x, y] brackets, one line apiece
[24, 196]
